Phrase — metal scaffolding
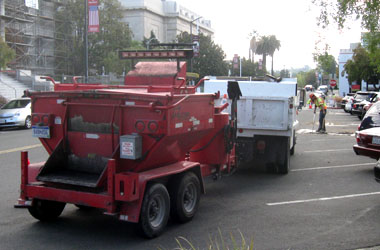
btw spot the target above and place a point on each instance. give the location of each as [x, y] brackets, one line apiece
[39, 38]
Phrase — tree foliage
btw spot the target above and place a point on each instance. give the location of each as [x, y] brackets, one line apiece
[326, 63]
[6, 54]
[267, 45]
[147, 42]
[373, 40]
[368, 11]
[305, 78]
[103, 45]
[284, 73]
[274, 45]
[249, 68]
[361, 67]
[211, 56]
[263, 48]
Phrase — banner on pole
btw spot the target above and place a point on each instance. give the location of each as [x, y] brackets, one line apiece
[93, 16]
[196, 45]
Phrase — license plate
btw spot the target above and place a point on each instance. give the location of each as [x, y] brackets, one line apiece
[376, 140]
[2, 121]
[41, 132]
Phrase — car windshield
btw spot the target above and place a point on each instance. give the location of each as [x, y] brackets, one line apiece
[363, 96]
[374, 110]
[16, 104]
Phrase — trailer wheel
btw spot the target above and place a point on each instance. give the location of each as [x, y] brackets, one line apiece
[45, 210]
[154, 211]
[185, 195]
[283, 165]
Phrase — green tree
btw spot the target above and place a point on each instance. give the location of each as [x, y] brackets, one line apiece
[150, 41]
[211, 56]
[340, 10]
[103, 45]
[305, 78]
[373, 40]
[6, 54]
[326, 63]
[284, 73]
[249, 68]
[274, 45]
[360, 68]
[263, 48]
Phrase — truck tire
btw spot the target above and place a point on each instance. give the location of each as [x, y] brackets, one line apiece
[45, 210]
[184, 197]
[284, 162]
[293, 149]
[154, 211]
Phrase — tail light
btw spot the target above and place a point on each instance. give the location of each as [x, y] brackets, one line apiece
[363, 138]
[42, 119]
[150, 127]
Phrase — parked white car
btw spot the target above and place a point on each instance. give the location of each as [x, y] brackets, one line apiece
[324, 89]
[16, 113]
[348, 105]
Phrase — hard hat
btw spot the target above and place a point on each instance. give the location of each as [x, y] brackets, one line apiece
[311, 95]
[225, 96]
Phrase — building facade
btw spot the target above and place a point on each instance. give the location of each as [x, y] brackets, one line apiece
[344, 56]
[31, 28]
[40, 38]
[166, 19]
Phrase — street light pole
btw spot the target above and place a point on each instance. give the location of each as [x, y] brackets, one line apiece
[86, 41]
[148, 43]
[191, 38]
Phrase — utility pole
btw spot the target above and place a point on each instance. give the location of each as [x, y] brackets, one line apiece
[86, 41]
[2, 23]
[191, 38]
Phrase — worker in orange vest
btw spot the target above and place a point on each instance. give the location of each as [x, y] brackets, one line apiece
[321, 104]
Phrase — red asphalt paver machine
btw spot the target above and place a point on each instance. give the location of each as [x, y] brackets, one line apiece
[138, 151]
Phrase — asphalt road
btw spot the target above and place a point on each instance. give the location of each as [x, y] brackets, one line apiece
[329, 200]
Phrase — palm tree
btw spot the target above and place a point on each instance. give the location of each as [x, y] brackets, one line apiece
[263, 48]
[274, 45]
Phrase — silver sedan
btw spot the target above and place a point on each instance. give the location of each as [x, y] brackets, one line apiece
[16, 113]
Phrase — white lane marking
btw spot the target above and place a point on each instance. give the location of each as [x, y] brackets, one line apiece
[339, 166]
[328, 150]
[20, 149]
[321, 199]
[330, 139]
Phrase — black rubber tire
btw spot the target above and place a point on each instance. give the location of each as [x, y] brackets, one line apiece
[293, 149]
[185, 194]
[28, 122]
[45, 210]
[284, 164]
[155, 211]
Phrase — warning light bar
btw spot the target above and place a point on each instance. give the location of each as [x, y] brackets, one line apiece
[159, 54]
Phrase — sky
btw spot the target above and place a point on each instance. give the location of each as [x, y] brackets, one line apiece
[293, 22]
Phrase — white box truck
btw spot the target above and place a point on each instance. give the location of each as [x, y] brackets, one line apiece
[266, 121]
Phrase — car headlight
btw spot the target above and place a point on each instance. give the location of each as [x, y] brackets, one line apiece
[17, 113]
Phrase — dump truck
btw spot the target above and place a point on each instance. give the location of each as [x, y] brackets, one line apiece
[139, 151]
[266, 120]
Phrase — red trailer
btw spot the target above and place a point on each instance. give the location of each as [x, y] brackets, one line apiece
[138, 151]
